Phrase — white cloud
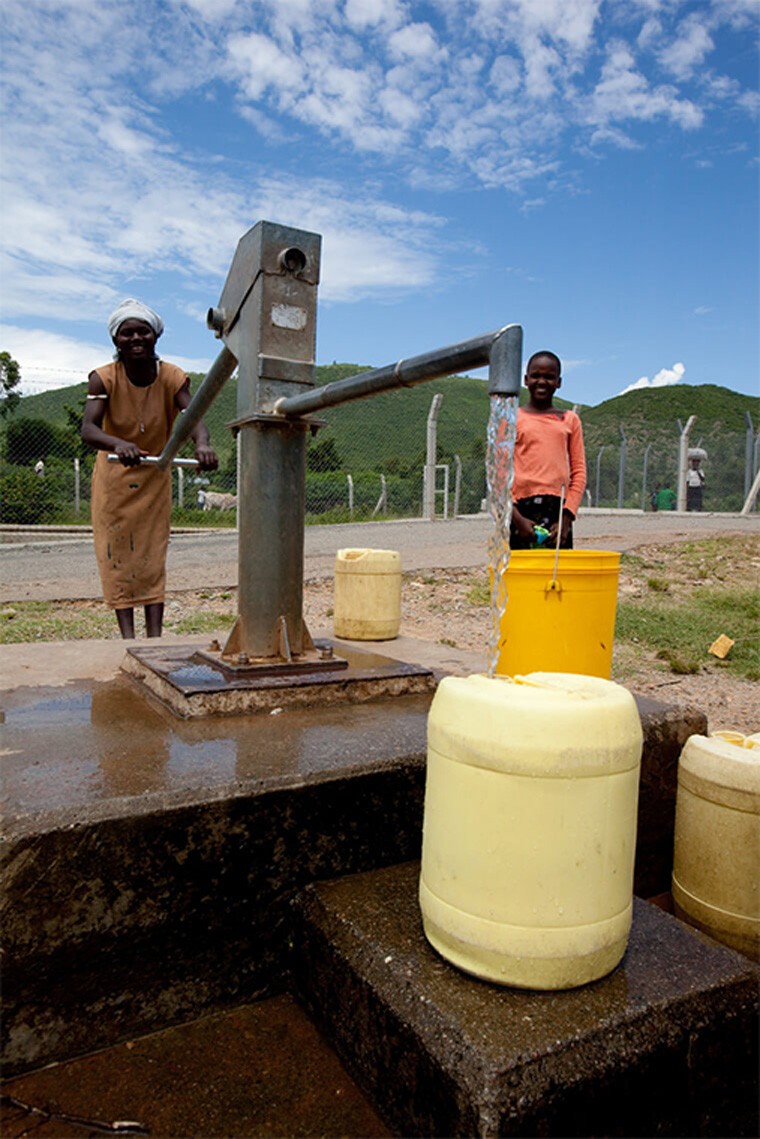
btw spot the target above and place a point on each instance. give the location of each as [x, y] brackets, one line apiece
[702, 310]
[362, 14]
[48, 360]
[689, 49]
[414, 41]
[664, 378]
[623, 93]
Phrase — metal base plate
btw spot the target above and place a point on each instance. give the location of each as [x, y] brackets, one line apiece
[194, 684]
[319, 659]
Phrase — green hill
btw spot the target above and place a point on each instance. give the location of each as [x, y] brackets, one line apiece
[387, 434]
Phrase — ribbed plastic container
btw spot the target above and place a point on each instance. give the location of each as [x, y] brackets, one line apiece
[530, 827]
[716, 859]
[367, 598]
[562, 624]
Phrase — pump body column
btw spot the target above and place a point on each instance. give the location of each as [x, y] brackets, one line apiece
[267, 318]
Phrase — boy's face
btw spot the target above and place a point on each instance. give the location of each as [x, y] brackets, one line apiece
[542, 379]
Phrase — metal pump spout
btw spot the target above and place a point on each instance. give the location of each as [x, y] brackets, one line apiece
[505, 361]
[266, 317]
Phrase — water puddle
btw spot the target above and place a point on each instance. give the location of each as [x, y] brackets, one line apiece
[500, 448]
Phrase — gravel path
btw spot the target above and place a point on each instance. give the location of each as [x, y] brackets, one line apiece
[50, 567]
[443, 563]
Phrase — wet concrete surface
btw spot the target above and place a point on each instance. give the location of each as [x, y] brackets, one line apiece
[260, 1070]
[665, 1045]
[83, 745]
[148, 862]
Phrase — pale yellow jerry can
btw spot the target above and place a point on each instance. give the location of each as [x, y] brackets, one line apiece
[530, 827]
[716, 857]
[367, 595]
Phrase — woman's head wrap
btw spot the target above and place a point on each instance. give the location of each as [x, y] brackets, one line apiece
[134, 310]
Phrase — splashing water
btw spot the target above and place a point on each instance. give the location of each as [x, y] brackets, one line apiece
[500, 447]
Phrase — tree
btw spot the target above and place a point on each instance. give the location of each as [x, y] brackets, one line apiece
[323, 456]
[29, 439]
[10, 378]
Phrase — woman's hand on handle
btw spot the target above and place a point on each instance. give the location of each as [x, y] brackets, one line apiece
[129, 453]
[206, 456]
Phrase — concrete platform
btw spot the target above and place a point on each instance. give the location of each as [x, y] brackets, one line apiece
[148, 862]
[666, 1045]
[195, 687]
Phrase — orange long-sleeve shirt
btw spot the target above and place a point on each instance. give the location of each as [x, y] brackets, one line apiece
[549, 452]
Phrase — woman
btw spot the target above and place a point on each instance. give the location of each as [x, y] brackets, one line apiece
[131, 406]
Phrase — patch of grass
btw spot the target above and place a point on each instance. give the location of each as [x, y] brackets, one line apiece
[686, 628]
[479, 594]
[200, 623]
[46, 621]
[658, 584]
[448, 641]
[677, 665]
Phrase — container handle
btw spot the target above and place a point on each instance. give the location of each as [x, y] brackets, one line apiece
[553, 584]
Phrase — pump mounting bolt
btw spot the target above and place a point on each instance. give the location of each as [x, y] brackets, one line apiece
[215, 647]
[326, 652]
[242, 658]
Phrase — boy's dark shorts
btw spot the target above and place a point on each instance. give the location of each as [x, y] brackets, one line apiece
[542, 510]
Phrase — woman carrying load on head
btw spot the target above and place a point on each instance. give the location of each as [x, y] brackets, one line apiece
[131, 406]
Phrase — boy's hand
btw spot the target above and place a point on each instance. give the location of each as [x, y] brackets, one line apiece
[522, 525]
[566, 524]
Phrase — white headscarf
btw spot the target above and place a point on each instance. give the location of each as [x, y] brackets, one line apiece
[131, 309]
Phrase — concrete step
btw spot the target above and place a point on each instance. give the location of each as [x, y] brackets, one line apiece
[260, 1070]
[148, 863]
[666, 1045]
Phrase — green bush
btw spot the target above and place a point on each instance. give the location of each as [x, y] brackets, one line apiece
[25, 498]
[28, 439]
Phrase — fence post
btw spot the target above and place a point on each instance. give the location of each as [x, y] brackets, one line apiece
[446, 491]
[350, 496]
[76, 487]
[644, 480]
[180, 487]
[382, 502]
[598, 472]
[429, 483]
[621, 468]
[457, 485]
[749, 454]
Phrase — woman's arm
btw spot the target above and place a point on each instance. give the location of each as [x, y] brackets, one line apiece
[204, 452]
[92, 425]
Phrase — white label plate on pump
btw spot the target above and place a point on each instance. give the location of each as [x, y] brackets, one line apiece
[288, 316]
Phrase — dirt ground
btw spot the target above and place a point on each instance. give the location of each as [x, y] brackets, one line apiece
[450, 607]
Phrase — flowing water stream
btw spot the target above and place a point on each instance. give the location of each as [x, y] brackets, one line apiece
[500, 449]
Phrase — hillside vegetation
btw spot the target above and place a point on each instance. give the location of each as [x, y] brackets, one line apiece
[387, 434]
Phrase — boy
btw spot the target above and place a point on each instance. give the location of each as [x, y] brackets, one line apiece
[548, 454]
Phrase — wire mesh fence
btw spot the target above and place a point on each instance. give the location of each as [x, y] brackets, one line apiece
[367, 461]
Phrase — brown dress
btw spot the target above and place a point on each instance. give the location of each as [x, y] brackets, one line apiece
[131, 506]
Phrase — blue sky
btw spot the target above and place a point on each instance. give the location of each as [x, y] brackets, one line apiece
[587, 168]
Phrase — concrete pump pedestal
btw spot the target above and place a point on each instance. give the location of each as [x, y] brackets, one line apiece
[193, 684]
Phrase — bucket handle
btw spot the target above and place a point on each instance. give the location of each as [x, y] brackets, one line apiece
[553, 583]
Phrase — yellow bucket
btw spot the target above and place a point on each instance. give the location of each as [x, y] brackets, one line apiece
[563, 622]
